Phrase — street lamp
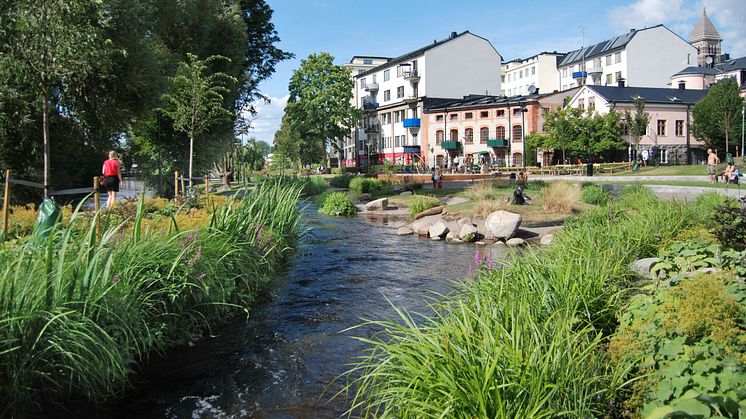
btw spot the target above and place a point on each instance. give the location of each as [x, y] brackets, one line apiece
[743, 115]
[523, 132]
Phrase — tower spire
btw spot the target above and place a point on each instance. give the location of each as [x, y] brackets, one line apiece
[706, 38]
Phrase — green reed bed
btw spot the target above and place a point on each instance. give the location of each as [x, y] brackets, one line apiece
[527, 340]
[79, 313]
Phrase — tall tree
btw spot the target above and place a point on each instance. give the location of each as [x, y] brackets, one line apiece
[637, 123]
[55, 44]
[580, 134]
[196, 99]
[319, 108]
[718, 115]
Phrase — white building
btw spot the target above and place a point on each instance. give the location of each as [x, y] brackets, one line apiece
[392, 93]
[642, 58]
[540, 71]
[735, 69]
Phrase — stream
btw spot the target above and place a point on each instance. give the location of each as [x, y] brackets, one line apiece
[285, 360]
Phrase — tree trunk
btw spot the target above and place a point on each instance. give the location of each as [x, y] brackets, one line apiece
[191, 156]
[45, 150]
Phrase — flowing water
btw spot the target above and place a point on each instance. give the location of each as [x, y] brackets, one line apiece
[285, 360]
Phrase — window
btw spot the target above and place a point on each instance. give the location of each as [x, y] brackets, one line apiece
[484, 114]
[363, 84]
[386, 95]
[454, 135]
[679, 127]
[596, 62]
[484, 134]
[469, 136]
[386, 75]
[581, 104]
[662, 127]
[533, 70]
[386, 118]
[400, 92]
[516, 111]
[502, 78]
[618, 75]
[608, 59]
[517, 133]
[367, 61]
[608, 79]
[544, 111]
[520, 74]
[454, 117]
[564, 72]
[625, 127]
[468, 115]
[510, 92]
[374, 78]
[617, 57]
[517, 159]
[398, 116]
[508, 77]
[501, 112]
[500, 133]
[400, 70]
[439, 137]
[439, 117]
[591, 104]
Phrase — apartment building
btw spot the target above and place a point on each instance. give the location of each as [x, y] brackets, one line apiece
[670, 117]
[392, 95]
[540, 71]
[641, 58]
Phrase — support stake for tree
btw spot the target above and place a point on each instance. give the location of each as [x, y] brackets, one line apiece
[176, 184]
[6, 204]
[97, 204]
[207, 189]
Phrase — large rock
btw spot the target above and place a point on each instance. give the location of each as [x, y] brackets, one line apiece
[547, 239]
[365, 197]
[515, 242]
[422, 226]
[464, 221]
[428, 212]
[439, 229]
[404, 231]
[642, 266]
[378, 204]
[468, 233]
[503, 224]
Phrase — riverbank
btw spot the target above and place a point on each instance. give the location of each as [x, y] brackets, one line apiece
[82, 312]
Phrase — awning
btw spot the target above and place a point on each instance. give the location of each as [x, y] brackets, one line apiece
[482, 152]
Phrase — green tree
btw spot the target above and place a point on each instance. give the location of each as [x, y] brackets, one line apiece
[54, 45]
[717, 116]
[196, 100]
[637, 123]
[319, 108]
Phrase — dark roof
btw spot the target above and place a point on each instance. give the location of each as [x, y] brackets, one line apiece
[732, 65]
[697, 70]
[603, 47]
[479, 101]
[415, 53]
[657, 95]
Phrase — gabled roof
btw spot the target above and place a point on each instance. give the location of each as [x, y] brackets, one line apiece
[481, 101]
[604, 47]
[694, 70]
[651, 95]
[704, 29]
[732, 65]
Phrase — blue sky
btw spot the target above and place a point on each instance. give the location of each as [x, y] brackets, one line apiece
[517, 28]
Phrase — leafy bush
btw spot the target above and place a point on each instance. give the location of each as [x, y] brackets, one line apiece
[337, 203]
[363, 185]
[421, 203]
[730, 225]
[341, 181]
[595, 195]
[314, 186]
[686, 256]
[560, 197]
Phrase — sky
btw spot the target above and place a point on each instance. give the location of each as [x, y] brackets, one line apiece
[517, 29]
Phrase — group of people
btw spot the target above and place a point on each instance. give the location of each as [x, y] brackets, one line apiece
[729, 175]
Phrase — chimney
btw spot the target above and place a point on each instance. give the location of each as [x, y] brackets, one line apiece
[682, 85]
[620, 82]
[453, 35]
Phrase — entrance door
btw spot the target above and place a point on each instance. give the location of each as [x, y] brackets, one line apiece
[439, 161]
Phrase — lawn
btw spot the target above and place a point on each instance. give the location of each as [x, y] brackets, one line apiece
[693, 170]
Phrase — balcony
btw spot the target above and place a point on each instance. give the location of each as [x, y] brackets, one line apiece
[411, 100]
[501, 143]
[451, 145]
[371, 87]
[412, 123]
[372, 129]
[412, 76]
[370, 105]
[579, 74]
[595, 70]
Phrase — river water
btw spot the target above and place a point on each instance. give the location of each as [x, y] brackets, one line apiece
[284, 361]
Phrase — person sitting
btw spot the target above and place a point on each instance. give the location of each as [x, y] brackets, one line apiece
[729, 175]
[522, 178]
[511, 177]
[519, 197]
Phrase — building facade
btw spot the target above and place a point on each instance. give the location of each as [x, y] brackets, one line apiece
[670, 117]
[642, 58]
[517, 76]
[392, 95]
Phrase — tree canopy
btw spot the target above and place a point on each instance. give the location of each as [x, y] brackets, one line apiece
[637, 123]
[717, 117]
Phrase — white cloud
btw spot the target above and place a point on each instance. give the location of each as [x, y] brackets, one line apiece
[642, 13]
[729, 17]
[268, 118]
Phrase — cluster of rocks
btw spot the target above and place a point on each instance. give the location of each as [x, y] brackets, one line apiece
[499, 227]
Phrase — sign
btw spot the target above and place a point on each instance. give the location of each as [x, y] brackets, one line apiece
[412, 149]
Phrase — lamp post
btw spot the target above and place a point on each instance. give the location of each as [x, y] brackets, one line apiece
[523, 132]
[743, 115]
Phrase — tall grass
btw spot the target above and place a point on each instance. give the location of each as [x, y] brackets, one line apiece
[523, 341]
[560, 197]
[78, 313]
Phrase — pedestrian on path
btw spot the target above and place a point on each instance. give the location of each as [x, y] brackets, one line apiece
[645, 157]
[112, 178]
[712, 164]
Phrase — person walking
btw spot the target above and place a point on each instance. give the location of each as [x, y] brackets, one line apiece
[112, 178]
[645, 157]
[712, 164]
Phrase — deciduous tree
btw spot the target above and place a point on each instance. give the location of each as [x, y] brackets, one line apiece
[637, 123]
[717, 116]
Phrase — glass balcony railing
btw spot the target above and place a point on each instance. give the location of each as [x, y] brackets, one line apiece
[412, 123]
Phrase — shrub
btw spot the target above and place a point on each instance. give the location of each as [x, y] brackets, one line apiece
[730, 225]
[595, 195]
[363, 185]
[341, 181]
[314, 186]
[483, 191]
[337, 203]
[421, 203]
[560, 197]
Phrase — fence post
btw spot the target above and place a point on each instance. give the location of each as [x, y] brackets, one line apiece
[207, 188]
[6, 204]
[183, 185]
[97, 203]
[176, 184]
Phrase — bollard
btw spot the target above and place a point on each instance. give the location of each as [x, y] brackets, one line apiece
[6, 204]
[176, 184]
[97, 203]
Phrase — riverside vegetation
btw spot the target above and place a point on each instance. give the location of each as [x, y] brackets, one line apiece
[78, 312]
[540, 337]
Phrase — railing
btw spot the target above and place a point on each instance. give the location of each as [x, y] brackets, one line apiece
[595, 70]
[499, 142]
[372, 129]
[370, 105]
[412, 76]
[451, 145]
[579, 74]
[372, 87]
[412, 123]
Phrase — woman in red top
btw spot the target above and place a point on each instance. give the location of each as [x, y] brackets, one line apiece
[112, 178]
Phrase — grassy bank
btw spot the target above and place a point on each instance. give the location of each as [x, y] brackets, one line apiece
[528, 340]
[78, 312]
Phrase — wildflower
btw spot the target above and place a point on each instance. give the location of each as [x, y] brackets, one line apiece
[116, 278]
[201, 276]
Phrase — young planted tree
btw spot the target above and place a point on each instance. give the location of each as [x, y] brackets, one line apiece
[638, 122]
[54, 45]
[718, 115]
[196, 100]
[319, 107]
